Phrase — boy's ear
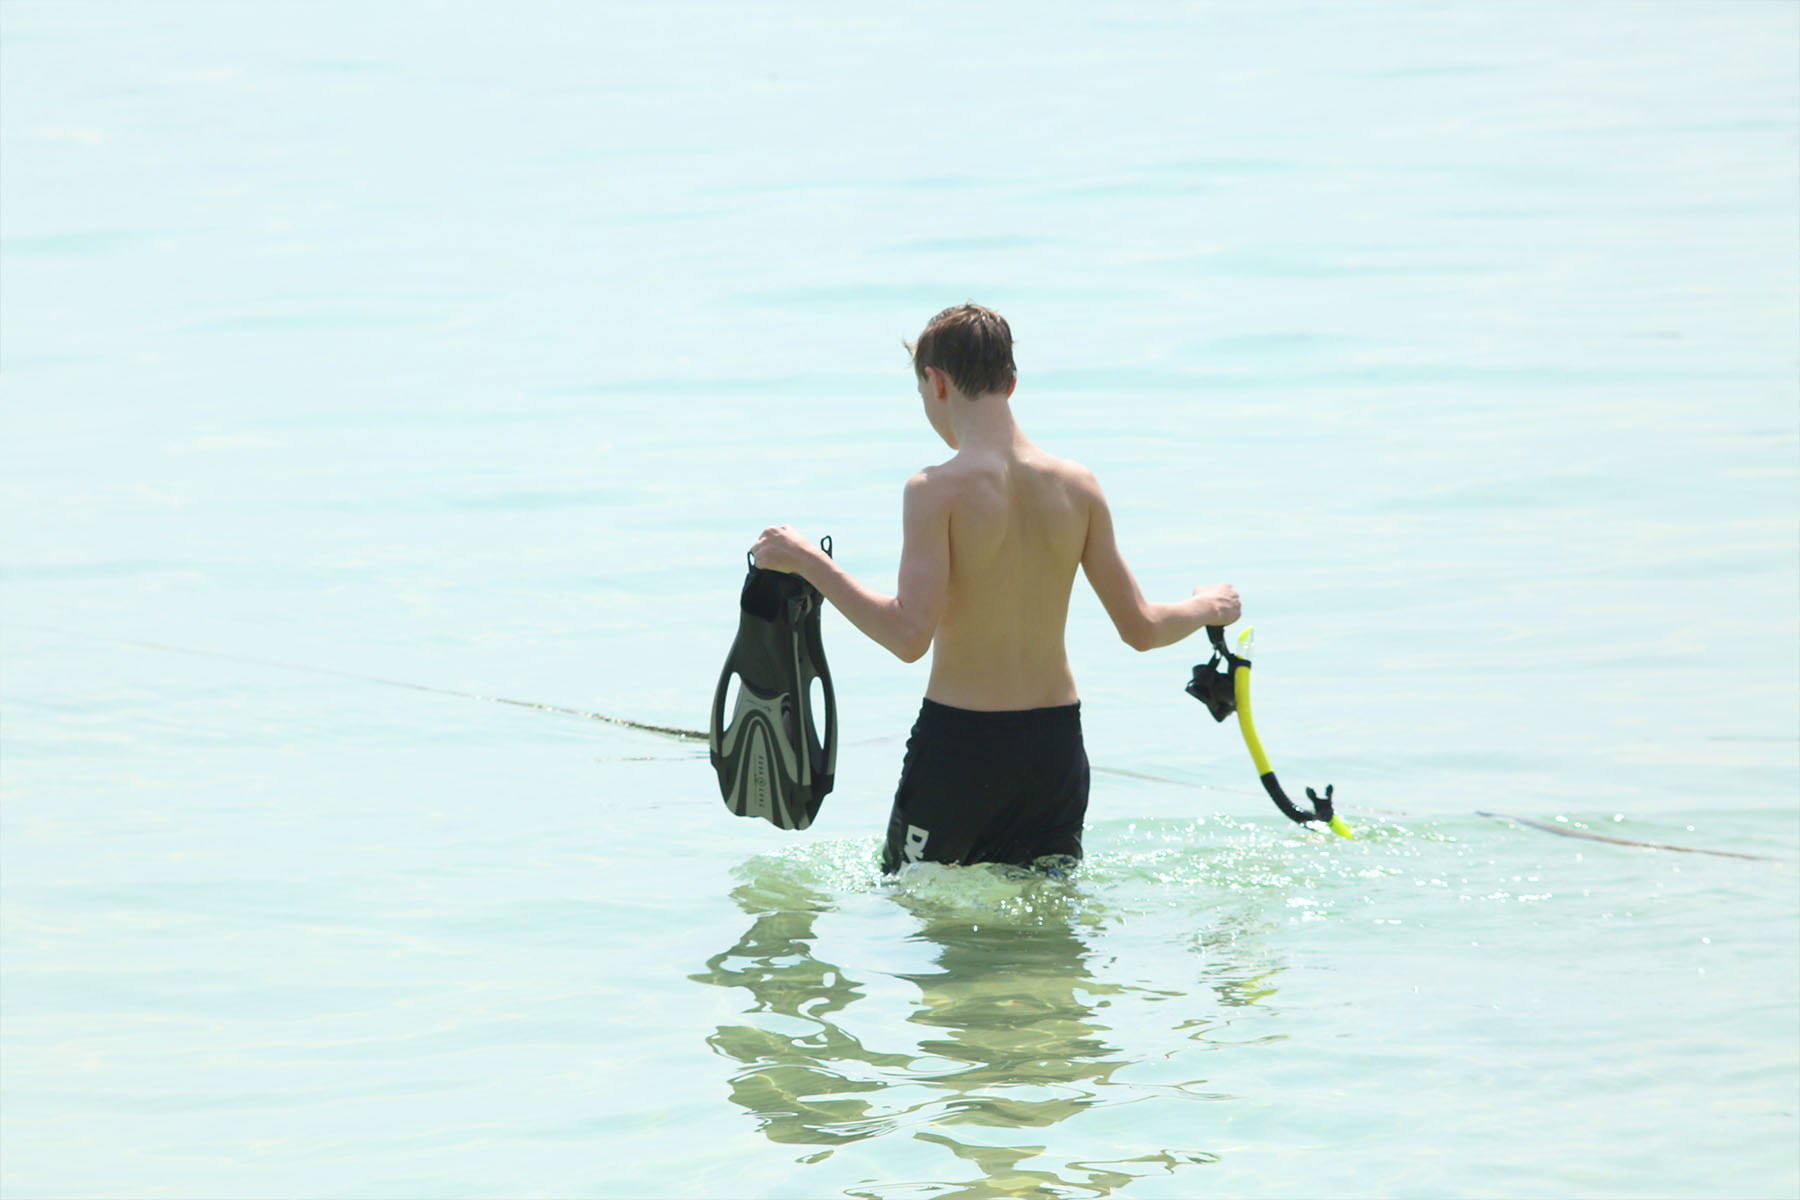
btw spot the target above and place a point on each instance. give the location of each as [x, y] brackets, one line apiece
[940, 382]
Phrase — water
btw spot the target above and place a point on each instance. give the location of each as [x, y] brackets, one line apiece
[469, 348]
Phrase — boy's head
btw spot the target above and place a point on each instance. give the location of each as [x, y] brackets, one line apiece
[970, 344]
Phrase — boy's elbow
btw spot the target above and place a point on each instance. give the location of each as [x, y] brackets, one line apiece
[1138, 637]
[912, 645]
[911, 651]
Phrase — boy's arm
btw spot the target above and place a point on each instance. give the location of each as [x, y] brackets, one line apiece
[1144, 624]
[905, 622]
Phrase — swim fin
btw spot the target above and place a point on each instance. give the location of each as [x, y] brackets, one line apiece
[770, 759]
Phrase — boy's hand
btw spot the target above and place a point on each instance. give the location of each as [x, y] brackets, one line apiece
[1221, 600]
[781, 548]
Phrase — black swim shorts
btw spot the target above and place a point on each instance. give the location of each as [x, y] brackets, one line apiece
[1005, 787]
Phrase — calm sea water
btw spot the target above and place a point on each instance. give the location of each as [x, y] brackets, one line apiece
[468, 347]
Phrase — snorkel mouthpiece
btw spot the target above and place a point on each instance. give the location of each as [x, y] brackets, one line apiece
[1223, 685]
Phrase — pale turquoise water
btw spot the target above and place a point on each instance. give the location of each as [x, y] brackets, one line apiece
[469, 346]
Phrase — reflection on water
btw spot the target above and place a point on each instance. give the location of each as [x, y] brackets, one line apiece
[805, 1085]
[1001, 1034]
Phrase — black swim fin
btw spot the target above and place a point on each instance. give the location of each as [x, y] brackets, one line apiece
[770, 759]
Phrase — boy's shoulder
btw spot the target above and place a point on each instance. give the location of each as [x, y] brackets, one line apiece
[1065, 471]
[957, 473]
[1031, 457]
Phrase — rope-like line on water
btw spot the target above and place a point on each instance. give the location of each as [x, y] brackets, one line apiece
[1565, 831]
[695, 735]
[668, 731]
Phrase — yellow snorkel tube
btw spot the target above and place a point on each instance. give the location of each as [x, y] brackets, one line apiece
[1223, 685]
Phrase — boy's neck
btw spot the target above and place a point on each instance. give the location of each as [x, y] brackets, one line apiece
[984, 423]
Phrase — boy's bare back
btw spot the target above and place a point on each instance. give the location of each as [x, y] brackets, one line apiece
[1015, 524]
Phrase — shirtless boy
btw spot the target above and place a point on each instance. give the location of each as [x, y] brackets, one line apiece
[995, 770]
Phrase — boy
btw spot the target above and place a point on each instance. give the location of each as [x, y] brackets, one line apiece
[995, 770]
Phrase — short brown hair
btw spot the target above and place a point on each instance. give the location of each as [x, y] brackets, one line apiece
[970, 344]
